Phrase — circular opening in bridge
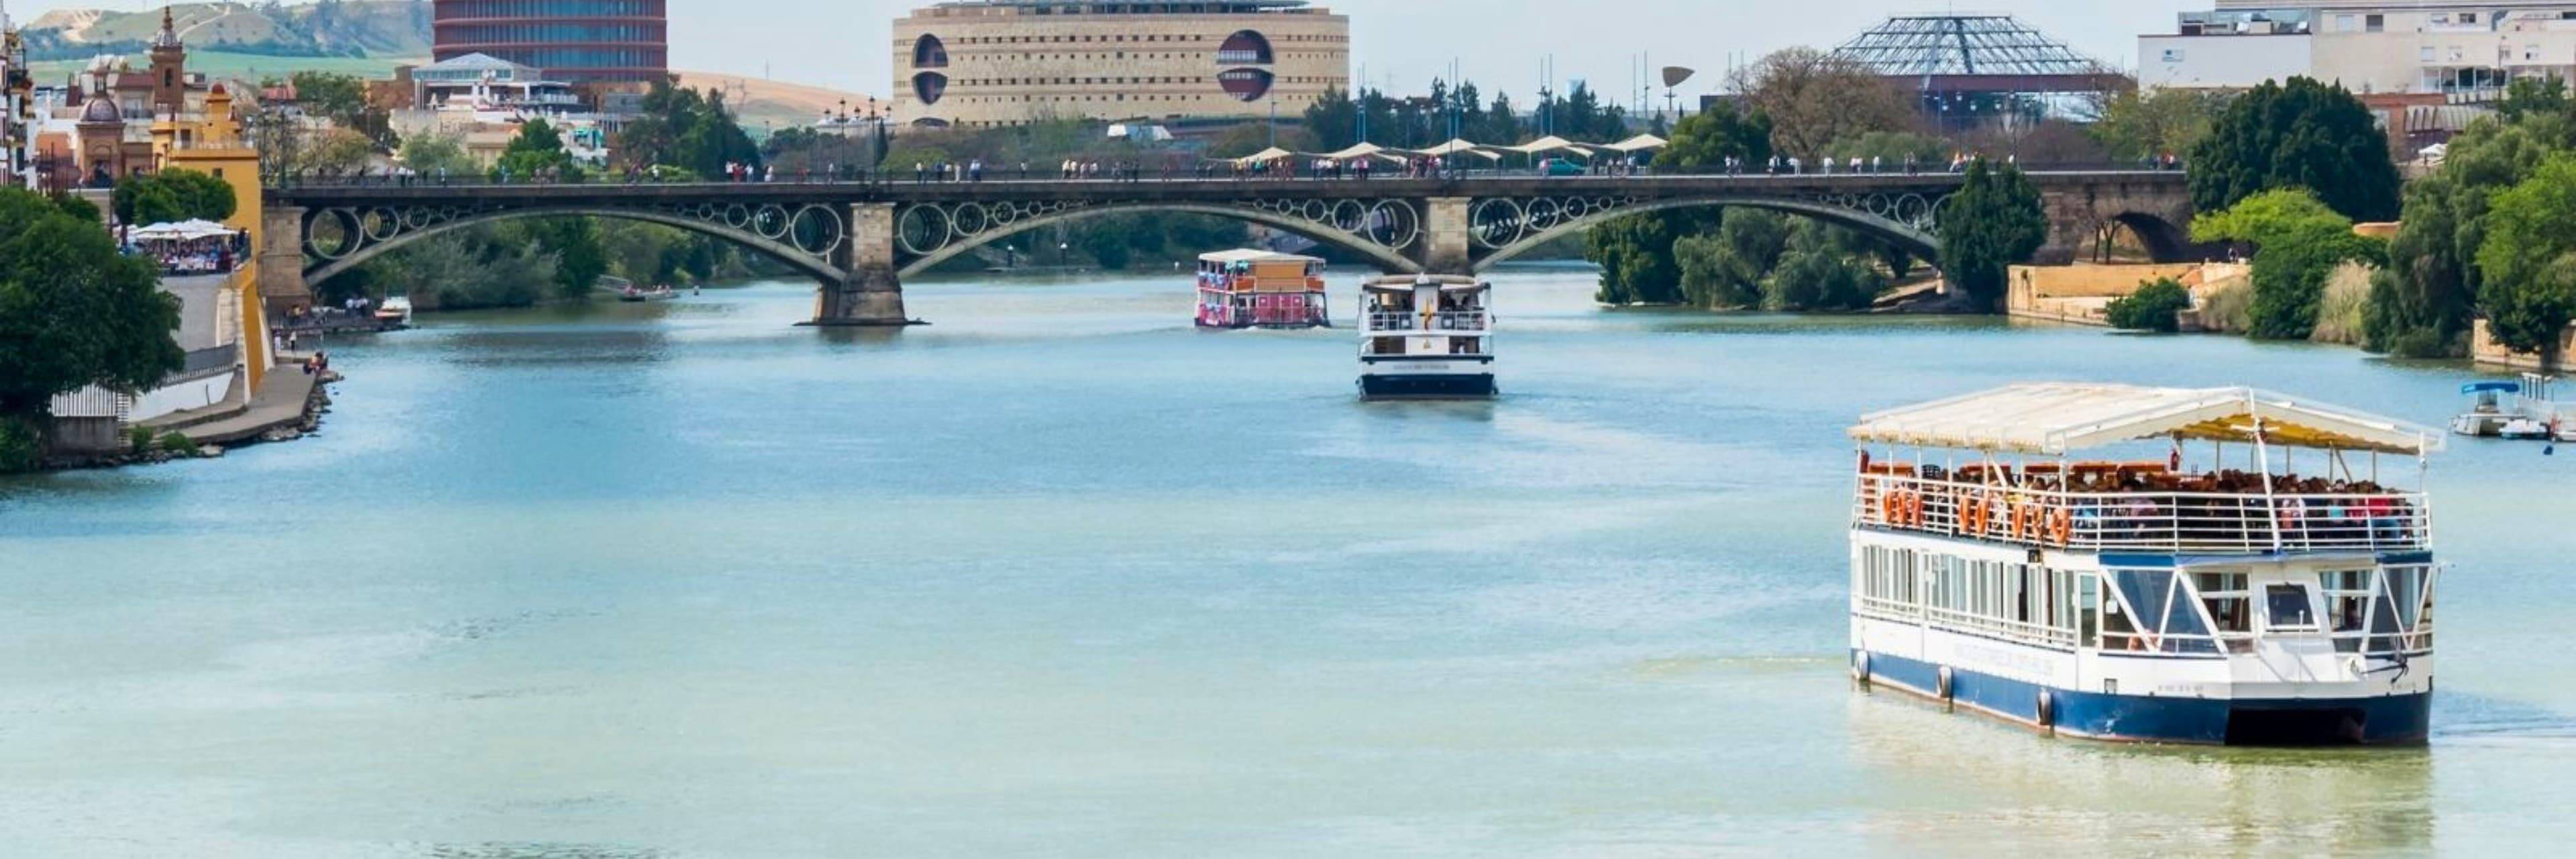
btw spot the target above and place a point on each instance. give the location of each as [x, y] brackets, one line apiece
[929, 87]
[1244, 48]
[331, 234]
[929, 53]
[1245, 84]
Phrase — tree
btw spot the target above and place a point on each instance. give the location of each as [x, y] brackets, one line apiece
[1711, 136]
[2302, 134]
[1993, 222]
[2137, 126]
[1727, 269]
[172, 195]
[437, 154]
[2529, 260]
[1814, 98]
[686, 129]
[336, 152]
[73, 312]
[2424, 305]
[2154, 307]
[2299, 241]
[2534, 97]
[1334, 118]
[1636, 259]
[331, 95]
[1821, 270]
[538, 150]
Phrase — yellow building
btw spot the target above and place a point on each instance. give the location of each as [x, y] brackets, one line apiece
[987, 63]
[212, 143]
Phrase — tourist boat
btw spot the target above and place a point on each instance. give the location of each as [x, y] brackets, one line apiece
[1260, 289]
[1426, 336]
[2282, 598]
[2487, 416]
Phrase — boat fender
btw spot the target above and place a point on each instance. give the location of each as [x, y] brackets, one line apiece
[2047, 710]
[1943, 682]
[1860, 668]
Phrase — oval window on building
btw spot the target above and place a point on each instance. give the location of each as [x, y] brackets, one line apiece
[929, 86]
[1245, 84]
[1244, 48]
[929, 53]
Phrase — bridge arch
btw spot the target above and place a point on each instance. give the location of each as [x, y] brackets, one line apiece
[793, 257]
[1393, 260]
[1922, 242]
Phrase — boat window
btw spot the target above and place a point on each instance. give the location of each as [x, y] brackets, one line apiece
[2230, 604]
[2184, 630]
[2088, 627]
[2148, 593]
[2118, 633]
[2287, 607]
[2347, 595]
[2406, 589]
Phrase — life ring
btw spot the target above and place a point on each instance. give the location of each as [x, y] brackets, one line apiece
[2046, 710]
[1944, 690]
[2061, 527]
[1891, 508]
[1970, 520]
[1914, 509]
[1860, 669]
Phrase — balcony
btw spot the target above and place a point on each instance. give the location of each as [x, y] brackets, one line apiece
[1405, 322]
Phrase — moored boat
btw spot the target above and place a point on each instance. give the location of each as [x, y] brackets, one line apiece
[1259, 289]
[2152, 598]
[1426, 337]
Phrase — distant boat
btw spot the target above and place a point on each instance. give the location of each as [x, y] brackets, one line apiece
[1260, 289]
[394, 313]
[627, 291]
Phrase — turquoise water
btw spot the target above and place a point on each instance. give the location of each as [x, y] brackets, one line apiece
[1061, 576]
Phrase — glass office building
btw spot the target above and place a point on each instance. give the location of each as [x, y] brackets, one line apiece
[575, 41]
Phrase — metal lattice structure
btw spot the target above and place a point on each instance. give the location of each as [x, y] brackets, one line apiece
[1974, 54]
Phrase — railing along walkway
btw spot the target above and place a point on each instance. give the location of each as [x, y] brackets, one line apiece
[2156, 522]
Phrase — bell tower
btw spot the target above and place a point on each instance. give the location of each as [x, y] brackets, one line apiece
[169, 69]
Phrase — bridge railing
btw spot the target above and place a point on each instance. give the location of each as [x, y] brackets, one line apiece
[1302, 173]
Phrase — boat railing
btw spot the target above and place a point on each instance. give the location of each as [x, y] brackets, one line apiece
[1452, 320]
[2147, 522]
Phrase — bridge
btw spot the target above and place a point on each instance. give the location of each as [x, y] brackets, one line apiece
[859, 240]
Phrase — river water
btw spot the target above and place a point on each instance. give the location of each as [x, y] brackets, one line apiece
[1061, 576]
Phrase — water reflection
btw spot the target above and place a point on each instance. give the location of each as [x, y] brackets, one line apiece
[1962, 783]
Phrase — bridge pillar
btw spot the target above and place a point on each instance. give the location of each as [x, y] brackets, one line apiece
[281, 259]
[869, 293]
[1444, 222]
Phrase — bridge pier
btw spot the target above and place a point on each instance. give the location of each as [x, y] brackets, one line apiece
[869, 294]
[281, 259]
[1448, 236]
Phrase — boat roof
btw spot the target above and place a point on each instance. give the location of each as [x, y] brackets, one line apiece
[2496, 387]
[1407, 282]
[2061, 417]
[1248, 255]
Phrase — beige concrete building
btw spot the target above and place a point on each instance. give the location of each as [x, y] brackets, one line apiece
[987, 63]
[2466, 50]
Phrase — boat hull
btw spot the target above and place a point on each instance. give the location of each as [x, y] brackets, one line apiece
[2389, 720]
[1397, 386]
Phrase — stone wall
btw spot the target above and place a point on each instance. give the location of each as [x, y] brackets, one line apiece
[2484, 350]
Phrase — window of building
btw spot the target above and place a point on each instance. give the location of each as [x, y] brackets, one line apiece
[2374, 23]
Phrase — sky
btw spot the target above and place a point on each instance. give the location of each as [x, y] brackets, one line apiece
[1402, 44]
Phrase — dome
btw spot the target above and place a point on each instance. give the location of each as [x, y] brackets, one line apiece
[102, 109]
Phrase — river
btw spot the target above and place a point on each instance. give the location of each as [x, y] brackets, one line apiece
[1060, 576]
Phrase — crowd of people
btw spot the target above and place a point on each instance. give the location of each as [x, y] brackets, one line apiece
[2107, 503]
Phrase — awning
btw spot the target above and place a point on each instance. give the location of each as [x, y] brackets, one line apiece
[2058, 418]
[1550, 143]
[1248, 255]
[1271, 154]
[1639, 143]
[1364, 150]
[1460, 146]
[180, 231]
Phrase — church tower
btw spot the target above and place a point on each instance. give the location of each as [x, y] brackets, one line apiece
[169, 69]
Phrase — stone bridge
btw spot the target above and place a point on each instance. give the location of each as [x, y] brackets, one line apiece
[860, 239]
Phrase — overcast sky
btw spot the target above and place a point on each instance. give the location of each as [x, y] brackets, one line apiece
[1402, 43]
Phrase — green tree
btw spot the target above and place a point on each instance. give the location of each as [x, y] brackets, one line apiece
[688, 130]
[2154, 306]
[331, 95]
[1727, 269]
[433, 155]
[1711, 136]
[1822, 269]
[538, 150]
[1334, 119]
[2423, 305]
[2302, 134]
[73, 312]
[2529, 260]
[2137, 126]
[2299, 241]
[1814, 98]
[172, 195]
[2534, 97]
[1993, 222]
[1636, 259]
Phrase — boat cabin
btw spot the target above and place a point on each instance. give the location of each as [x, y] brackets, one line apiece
[1261, 289]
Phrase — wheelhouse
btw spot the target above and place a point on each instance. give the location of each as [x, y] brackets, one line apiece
[2221, 565]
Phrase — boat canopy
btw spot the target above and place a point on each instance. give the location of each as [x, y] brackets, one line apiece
[1408, 282]
[2491, 387]
[1250, 256]
[2058, 418]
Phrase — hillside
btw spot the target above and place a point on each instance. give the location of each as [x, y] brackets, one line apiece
[764, 104]
[366, 29]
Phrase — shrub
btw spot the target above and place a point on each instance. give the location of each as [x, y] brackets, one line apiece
[2341, 312]
[2229, 311]
[21, 447]
[2154, 307]
[138, 439]
[177, 443]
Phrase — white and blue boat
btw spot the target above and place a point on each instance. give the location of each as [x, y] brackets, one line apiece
[1426, 337]
[2242, 578]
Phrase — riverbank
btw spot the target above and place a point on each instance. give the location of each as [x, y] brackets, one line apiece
[288, 409]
